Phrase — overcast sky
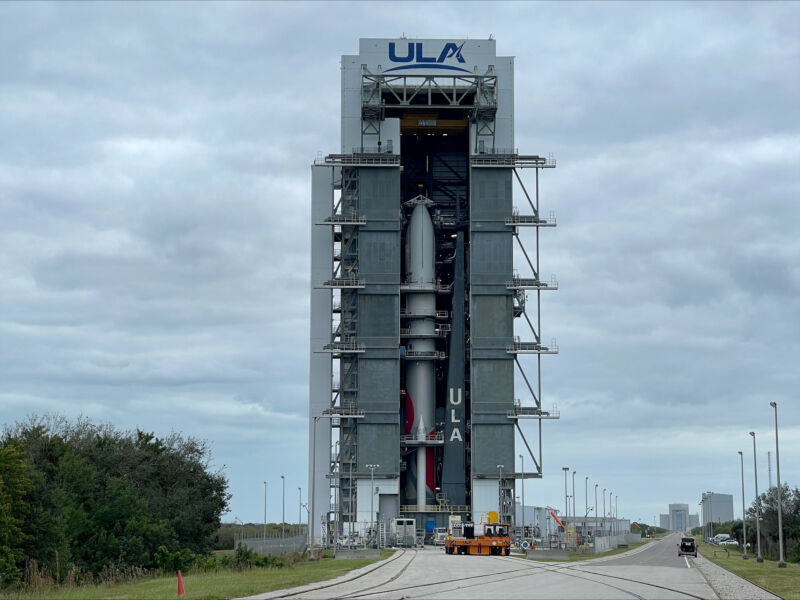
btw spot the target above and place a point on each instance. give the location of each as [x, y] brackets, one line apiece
[154, 227]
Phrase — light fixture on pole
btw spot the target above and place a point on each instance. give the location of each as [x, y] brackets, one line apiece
[781, 562]
[522, 468]
[759, 558]
[283, 507]
[372, 494]
[744, 524]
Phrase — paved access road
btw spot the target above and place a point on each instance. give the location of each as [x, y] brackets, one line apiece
[650, 571]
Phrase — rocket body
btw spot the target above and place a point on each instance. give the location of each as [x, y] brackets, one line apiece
[420, 376]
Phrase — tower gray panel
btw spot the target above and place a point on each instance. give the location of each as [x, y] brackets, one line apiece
[492, 445]
[491, 322]
[320, 372]
[378, 446]
[379, 253]
[379, 383]
[378, 322]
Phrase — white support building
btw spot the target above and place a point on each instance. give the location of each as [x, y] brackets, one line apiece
[678, 518]
[717, 508]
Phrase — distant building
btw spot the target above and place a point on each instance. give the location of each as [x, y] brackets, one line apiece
[678, 518]
[717, 508]
[539, 520]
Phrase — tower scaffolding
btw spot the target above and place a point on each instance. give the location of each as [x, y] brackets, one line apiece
[415, 294]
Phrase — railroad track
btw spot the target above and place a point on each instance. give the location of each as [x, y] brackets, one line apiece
[465, 584]
[381, 565]
[433, 589]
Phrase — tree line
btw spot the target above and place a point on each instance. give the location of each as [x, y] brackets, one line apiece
[790, 515]
[78, 498]
[768, 524]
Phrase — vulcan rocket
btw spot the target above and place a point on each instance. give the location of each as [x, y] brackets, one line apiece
[420, 374]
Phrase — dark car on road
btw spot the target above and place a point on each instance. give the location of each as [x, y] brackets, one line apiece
[687, 547]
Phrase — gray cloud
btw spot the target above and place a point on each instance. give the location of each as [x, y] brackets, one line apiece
[154, 223]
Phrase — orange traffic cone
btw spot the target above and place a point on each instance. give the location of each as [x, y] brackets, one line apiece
[181, 592]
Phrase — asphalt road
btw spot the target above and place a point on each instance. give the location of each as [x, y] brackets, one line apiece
[653, 571]
[658, 553]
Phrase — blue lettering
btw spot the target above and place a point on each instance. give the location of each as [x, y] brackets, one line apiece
[394, 58]
[415, 55]
[451, 50]
[421, 58]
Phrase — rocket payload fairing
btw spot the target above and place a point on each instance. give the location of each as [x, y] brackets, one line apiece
[420, 375]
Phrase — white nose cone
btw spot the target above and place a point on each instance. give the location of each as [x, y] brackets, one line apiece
[421, 432]
[420, 242]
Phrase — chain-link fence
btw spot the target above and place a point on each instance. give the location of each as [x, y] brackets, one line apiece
[293, 539]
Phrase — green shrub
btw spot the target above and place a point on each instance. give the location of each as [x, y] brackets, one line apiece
[182, 560]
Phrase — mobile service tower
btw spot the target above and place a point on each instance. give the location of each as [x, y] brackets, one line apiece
[414, 294]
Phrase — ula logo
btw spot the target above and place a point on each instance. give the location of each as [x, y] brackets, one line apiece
[414, 55]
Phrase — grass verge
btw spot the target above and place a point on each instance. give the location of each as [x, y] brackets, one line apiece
[214, 585]
[781, 582]
[575, 556]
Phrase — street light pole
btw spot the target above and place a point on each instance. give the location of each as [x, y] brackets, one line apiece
[616, 513]
[283, 507]
[573, 495]
[299, 510]
[372, 495]
[585, 501]
[744, 524]
[708, 499]
[522, 468]
[569, 502]
[311, 517]
[566, 500]
[604, 511]
[500, 491]
[759, 558]
[611, 513]
[595, 509]
[265, 510]
[781, 562]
